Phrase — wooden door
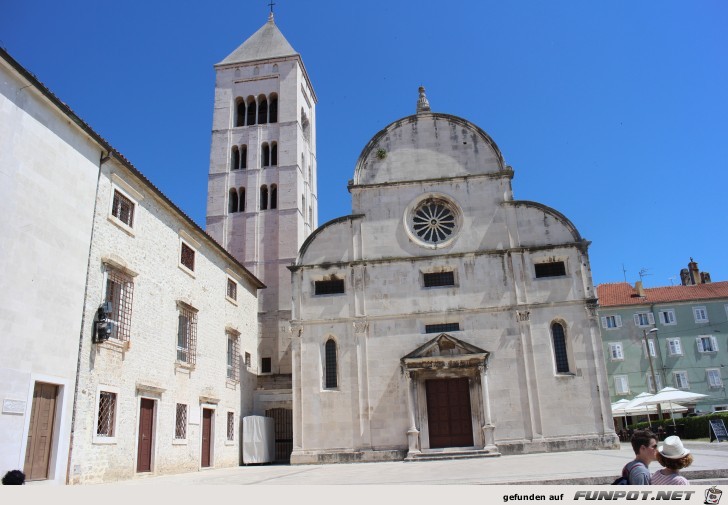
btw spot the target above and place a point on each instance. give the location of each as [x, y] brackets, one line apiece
[146, 425]
[40, 433]
[448, 413]
[206, 437]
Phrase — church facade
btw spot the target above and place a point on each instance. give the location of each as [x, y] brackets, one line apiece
[443, 315]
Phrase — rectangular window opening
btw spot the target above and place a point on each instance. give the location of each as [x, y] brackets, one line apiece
[230, 426]
[123, 209]
[550, 269]
[436, 279]
[232, 289]
[107, 414]
[119, 293]
[265, 365]
[187, 336]
[233, 357]
[180, 424]
[187, 257]
[329, 287]
[442, 327]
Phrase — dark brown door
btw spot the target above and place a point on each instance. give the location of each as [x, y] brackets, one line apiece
[206, 436]
[40, 433]
[448, 413]
[146, 423]
[283, 425]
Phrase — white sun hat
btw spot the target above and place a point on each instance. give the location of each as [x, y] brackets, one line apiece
[673, 448]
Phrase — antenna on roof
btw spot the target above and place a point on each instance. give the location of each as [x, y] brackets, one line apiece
[672, 279]
[643, 273]
[624, 271]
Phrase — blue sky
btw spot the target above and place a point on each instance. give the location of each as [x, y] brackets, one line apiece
[614, 113]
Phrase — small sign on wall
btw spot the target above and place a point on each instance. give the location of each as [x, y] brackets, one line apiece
[13, 406]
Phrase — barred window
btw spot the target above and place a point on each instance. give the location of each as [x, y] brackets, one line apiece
[123, 209]
[119, 293]
[233, 357]
[187, 257]
[550, 269]
[231, 426]
[232, 289]
[442, 327]
[180, 422]
[330, 364]
[187, 335]
[329, 287]
[107, 414]
[436, 279]
[560, 355]
[247, 359]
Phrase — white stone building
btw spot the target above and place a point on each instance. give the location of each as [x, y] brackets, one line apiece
[443, 315]
[166, 393]
[88, 240]
[262, 201]
[48, 172]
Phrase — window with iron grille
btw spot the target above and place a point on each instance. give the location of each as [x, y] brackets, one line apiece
[436, 279]
[231, 426]
[329, 287]
[442, 327]
[560, 354]
[265, 365]
[232, 289]
[187, 335]
[247, 359]
[550, 269]
[123, 209]
[107, 414]
[119, 293]
[330, 365]
[233, 357]
[180, 422]
[187, 257]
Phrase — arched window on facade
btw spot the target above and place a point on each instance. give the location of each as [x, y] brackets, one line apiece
[243, 156]
[264, 155]
[330, 375]
[262, 109]
[263, 197]
[240, 112]
[273, 196]
[235, 159]
[273, 109]
[233, 201]
[251, 111]
[241, 203]
[274, 154]
[560, 352]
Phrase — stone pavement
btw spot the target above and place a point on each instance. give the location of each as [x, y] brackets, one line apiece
[583, 467]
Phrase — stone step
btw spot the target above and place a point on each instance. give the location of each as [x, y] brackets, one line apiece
[451, 454]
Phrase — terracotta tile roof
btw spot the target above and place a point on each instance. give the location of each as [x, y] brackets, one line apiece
[621, 293]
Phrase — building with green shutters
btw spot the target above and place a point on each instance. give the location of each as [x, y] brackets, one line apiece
[682, 330]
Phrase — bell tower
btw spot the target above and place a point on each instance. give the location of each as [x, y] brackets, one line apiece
[261, 201]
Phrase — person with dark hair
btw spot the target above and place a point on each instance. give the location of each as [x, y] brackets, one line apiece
[14, 477]
[673, 456]
[644, 445]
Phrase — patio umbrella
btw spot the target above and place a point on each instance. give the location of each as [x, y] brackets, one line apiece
[618, 409]
[639, 401]
[671, 395]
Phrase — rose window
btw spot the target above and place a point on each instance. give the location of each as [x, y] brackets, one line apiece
[433, 221]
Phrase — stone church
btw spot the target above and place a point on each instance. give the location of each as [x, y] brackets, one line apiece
[442, 316]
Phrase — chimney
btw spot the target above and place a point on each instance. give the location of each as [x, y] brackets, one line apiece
[694, 272]
[640, 290]
[684, 277]
[704, 278]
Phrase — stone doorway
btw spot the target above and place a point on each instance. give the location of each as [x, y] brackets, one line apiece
[448, 412]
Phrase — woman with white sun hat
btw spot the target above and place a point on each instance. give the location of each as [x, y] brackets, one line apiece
[673, 455]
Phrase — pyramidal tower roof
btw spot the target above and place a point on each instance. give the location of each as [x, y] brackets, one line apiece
[268, 42]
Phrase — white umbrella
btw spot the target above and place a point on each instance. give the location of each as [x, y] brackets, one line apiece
[637, 401]
[618, 409]
[671, 395]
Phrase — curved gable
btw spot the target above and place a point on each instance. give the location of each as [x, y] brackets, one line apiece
[427, 146]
